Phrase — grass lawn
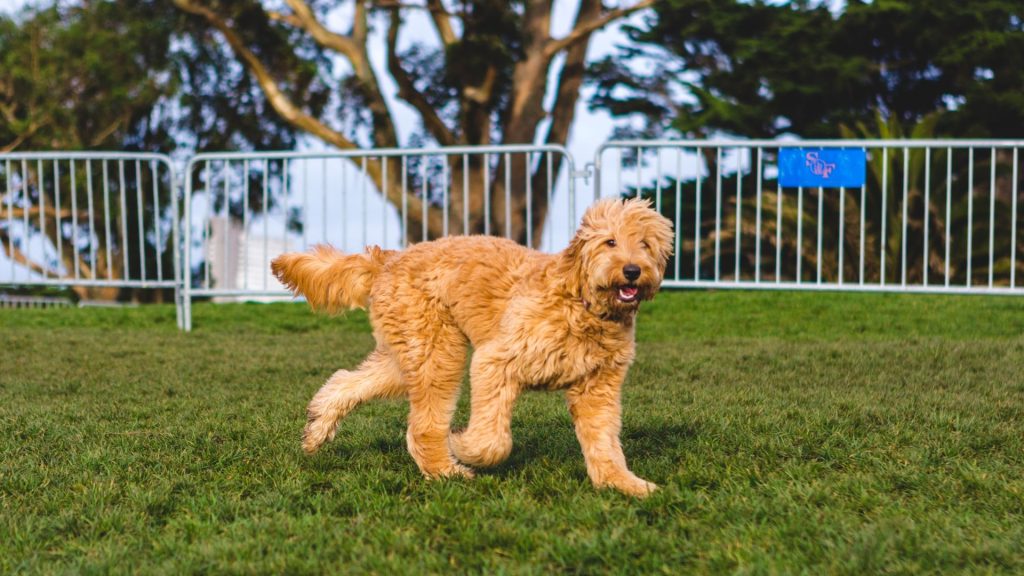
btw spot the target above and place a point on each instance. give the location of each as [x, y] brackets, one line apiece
[817, 433]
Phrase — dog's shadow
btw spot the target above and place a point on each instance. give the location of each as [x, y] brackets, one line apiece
[551, 440]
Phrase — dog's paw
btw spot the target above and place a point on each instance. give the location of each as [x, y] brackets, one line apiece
[483, 453]
[316, 433]
[631, 485]
[455, 470]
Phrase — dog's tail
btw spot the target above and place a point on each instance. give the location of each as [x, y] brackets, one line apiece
[330, 279]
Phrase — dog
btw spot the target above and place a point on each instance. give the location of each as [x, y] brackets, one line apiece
[560, 321]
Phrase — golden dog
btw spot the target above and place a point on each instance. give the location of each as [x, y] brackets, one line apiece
[535, 321]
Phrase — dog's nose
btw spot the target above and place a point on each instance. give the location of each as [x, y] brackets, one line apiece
[631, 272]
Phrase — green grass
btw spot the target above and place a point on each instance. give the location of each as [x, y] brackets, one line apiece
[816, 433]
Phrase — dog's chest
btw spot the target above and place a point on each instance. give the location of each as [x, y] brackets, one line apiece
[554, 355]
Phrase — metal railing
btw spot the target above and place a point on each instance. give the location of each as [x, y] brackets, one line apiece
[97, 222]
[930, 216]
[244, 209]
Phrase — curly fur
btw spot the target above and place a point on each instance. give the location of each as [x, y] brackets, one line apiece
[535, 321]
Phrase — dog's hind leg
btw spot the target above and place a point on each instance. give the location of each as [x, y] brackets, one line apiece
[377, 377]
[487, 441]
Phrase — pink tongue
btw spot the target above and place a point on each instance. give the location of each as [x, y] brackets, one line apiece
[629, 292]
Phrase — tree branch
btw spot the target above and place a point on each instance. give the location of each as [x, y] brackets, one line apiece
[20, 257]
[48, 212]
[304, 18]
[407, 90]
[441, 20]
[584, 30]
[278, 100]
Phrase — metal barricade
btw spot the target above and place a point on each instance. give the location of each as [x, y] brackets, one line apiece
[931, 216]
[97, 222]
[243, 209]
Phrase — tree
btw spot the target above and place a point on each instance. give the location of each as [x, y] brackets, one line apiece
[120, 75]
[485, 82]
[759, 70]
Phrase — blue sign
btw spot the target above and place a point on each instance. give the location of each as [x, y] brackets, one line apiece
[822, 167]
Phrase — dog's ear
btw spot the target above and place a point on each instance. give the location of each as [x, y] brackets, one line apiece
[571, 265]
[664, 236]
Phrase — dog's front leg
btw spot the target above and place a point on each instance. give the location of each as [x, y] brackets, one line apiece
[597, 415]
[487, 441]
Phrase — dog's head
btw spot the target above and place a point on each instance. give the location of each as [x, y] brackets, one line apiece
[618, 256]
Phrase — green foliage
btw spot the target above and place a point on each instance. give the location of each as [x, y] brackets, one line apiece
[75, 77]
[125, 75]
[791, 433]
[756, 69]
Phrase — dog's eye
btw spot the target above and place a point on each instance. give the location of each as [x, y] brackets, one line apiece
[610, 243]
[644, 244]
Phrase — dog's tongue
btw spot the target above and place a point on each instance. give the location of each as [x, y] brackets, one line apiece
[628, 291]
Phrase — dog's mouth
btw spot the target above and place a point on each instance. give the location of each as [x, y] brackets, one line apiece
[628, 293]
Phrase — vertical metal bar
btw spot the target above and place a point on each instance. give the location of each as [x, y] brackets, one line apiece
[225, 218]
[345, 182]
[903, 232]
[863, 214]
[323, 200]
[718, 213]
[92, 221]
[57, 202]
[778, 226]
[10, 217]
[384, 200]
[639, 169]
[842, 229]
[799, 234]
[991, 215]
[207, 220]
[927, 212]
[550, 176]
[739, 213]
[696, 230]
[757, 226]
[265, 261]
[106, 218]
[885, 210]
[949, 201]
[26, 206]
[677, 222]
[465, 194]
[425, 194]
[363, 177]
[153, 173]
[508, 195]
[445, 193]
[487, 194]
[140, 209]
[286, 189]
[124, 218]
[970, 212]
[41, 189]
[245, 223]
[405, 201]
[1013, 223]
[529, 200]
[821, 217]
[305, 204]
[657, 182]
[74, 211]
